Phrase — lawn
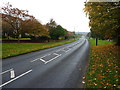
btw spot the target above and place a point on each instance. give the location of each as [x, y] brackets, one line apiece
[104, 67]
[100, 42]
[13, 49]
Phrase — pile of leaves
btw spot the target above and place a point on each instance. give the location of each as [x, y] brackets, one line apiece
[104, 67]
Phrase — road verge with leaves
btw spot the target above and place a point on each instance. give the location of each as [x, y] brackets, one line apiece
[104, 67]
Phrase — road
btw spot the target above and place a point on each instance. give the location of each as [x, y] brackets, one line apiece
[58, 67]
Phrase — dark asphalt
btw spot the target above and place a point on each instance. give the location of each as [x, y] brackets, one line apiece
[58, 67]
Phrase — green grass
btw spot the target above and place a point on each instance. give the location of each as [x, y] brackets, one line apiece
[13, 49]
[103, 66]
[100, 42]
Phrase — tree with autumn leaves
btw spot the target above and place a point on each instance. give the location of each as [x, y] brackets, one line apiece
[35, 29]
[104, 20]
[18, 23]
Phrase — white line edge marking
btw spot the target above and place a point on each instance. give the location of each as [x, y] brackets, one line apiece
[6, 71]
[52, 59]
[12, 74]
[16, 78]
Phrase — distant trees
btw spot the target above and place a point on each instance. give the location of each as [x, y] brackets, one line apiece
[18, 23]
[104, 20]
[56, 31]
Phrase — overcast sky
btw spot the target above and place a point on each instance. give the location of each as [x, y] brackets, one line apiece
[67, 13]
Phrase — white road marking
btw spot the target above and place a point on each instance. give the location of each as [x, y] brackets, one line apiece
[45, 55]
[42, 60]
[68, 50]
[12, 74]
[16, 78]
[39, 58]
[52, 59]
[63, 50]
[34, 60]
[59, 50]
[56, 54]
[6, 71]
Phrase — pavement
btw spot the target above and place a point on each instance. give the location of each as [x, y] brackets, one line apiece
[58, 67]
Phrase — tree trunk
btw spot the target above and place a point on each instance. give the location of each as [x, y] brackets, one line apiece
[117, 39]
[96, 41]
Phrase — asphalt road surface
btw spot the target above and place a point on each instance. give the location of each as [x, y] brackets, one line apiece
[58, 67]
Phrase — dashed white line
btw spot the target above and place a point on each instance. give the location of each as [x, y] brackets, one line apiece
[45, 55]
[55, 54]
[6, 71]
[63, 50]
[68, 50]
[35, 60]
[12, 74]
[15, 78]
[59, 50]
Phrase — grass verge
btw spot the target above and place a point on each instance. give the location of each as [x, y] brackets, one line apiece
[104, 67]
[13, 49]
[100, 42]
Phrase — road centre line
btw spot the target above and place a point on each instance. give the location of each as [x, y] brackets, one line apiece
[63, 50]
[56, 54]
[34, 60]
[39, 58]
[59, 50]
[45, 56]
[15, 78]
[6, 71]
[52, 59]
[68, 50]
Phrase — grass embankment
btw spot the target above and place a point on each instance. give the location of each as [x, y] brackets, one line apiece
[104, 67]
[13, 49]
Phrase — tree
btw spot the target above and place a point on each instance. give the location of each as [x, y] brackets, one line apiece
[7, 30]
[104, 19]
[14, 17]
[51, 24]
[34, 29]
[57, 32]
